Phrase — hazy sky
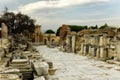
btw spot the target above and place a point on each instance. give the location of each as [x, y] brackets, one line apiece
[51, 14]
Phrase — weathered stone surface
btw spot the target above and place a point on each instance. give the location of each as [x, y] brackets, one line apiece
[77, 67]
[118, 51]
[10, 77]
[4, 30]
[41, 68]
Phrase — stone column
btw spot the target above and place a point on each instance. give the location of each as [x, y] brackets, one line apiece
[118, 51]
[68, 40]
[4, 31]
[98, 54]
[73, 43]
[101, 41]
[101, 52]
[90, 51]
[84, 51]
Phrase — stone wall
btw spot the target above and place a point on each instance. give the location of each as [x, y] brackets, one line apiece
[64, 31]
[50, 38]
[37, 36]
[96, 45]
[118, 51]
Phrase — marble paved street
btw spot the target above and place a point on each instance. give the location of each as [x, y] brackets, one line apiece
[77, 67]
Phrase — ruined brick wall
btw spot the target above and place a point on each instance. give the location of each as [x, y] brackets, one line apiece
[64, 31]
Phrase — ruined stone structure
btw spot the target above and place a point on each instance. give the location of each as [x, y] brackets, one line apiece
[50, 39]
[37, 35]
[43, 38]
[118, 45]
[71, 40]
[17, 58]
[10, 77]
[80, 39]
[67, 39]
[99, 44]
[64, 31]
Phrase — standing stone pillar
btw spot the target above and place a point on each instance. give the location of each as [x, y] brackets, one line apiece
[93, 52]
[90, 51]
[118, 51]
[84, 52]
[68, 40]
[101, 41]
[98, 54]
[82, 49]
[4, 31]
[35, 37]
[101, 52]
[73, 43]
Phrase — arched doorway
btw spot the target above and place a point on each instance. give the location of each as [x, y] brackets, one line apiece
[53, 40]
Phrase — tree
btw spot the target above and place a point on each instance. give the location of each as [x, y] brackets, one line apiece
[77, 28]
[8, 18]
[50, 31]
[24, 22]
[17, 23]
[58, 32]
[105, 26]
[93, 27]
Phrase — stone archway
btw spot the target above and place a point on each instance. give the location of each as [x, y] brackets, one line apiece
[53, 40]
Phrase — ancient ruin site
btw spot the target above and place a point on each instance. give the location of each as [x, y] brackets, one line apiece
[59, 40]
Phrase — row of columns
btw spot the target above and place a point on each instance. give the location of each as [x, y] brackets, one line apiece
[98, 52]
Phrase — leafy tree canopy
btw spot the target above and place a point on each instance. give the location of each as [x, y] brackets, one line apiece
[105, 26]
[93, 27]
[17, 23]
[58, 32]
[49, 31]
[77, 28]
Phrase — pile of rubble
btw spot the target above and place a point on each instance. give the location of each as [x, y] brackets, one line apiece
[21, 60]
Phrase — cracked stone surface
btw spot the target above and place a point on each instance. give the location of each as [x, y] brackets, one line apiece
[77, 67]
